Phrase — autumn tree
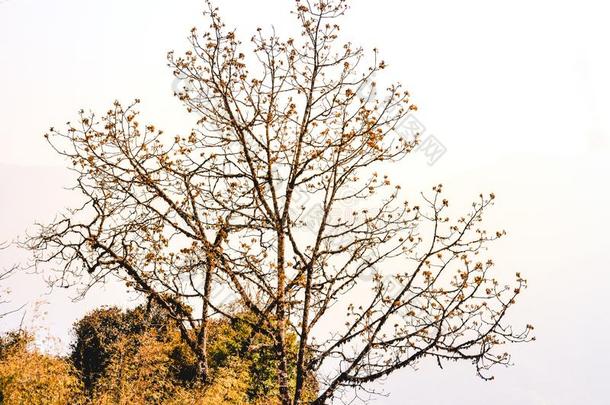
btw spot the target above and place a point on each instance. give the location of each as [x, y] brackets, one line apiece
[138, 353]
[277, 196]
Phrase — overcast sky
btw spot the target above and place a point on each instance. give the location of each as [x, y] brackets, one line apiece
[516, 92]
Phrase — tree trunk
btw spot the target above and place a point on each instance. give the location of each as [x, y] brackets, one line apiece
[281, 324]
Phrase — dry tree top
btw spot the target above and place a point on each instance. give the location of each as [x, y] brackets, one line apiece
[275, 197]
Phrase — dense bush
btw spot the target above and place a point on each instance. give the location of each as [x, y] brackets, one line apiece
[30, 377]
[137, 357]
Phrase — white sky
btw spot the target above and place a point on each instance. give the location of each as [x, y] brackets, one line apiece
[518, 93]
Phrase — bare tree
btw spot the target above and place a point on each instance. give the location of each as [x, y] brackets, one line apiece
[5, 273]
[275, 196]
